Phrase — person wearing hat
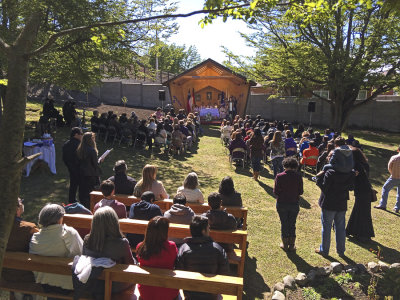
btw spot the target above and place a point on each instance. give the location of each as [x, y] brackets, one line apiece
[20, 236]
[124, 184]
[143, 210]
[71, 160]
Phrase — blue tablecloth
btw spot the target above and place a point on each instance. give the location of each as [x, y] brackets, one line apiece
[213, 111]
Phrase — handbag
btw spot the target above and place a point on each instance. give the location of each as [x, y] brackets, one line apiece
[374, 195]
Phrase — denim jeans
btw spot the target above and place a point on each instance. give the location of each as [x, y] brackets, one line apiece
[277, 165]
[339, 219]
[288, 214]
[389, 184]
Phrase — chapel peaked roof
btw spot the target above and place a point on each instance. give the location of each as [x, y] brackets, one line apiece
[215, 66]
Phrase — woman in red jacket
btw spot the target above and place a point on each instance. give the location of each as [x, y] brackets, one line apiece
[156, 251]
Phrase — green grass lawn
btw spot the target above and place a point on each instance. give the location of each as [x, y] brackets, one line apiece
[265, 263]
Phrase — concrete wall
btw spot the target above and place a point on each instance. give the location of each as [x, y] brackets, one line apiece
[138, 94]
[382, 115]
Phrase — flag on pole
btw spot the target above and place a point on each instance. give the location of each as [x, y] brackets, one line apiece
[189, 97]
[191, 101]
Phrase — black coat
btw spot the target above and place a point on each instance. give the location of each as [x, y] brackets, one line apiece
[232, 200]
[124, 184]
[360, 221]
[89, 166]
[69, 155]
[202, 254]
[220, 220]
[335, 187]
[141, 211]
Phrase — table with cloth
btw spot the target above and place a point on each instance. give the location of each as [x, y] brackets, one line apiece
[213, 112]
[48, 155]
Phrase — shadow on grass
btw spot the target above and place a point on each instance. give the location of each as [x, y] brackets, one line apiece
[254, 284]
[212, 130]
[388, 255]
[301, 264]
[304, 203]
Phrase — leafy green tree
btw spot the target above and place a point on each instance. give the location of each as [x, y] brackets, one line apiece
[35, 32]
[173, 58]
[343, 49]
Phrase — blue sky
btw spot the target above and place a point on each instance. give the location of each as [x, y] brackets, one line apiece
[209, 40]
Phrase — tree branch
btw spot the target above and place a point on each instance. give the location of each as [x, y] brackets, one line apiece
[53, 38]
[4, 46]
[27, 159]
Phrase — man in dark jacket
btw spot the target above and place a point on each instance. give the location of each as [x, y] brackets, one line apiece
[201, 254]
[71, 161]
[219, 219]
[143, 210]
[124, 184]
[335, 187]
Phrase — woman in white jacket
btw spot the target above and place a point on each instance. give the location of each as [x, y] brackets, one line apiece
[55, 239]
[190, 189]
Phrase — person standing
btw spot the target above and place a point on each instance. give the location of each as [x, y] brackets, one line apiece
[360, 221]
[393, 181]
[335, 187]
[256, 145]
[71, 160]
[89, 170]
[277, 152]
[288, 188]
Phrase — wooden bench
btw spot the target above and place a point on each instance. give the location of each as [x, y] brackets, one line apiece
[230, 287]
[175, 230]
[237, 212]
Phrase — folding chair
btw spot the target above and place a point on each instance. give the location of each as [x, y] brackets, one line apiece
[241, 158]
[305, 164]
[111, 133]
[126, 135]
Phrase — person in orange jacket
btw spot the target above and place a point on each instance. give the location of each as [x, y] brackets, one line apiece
[310, 155]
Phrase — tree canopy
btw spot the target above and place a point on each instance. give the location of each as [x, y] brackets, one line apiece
[345, 49]
[173, 58]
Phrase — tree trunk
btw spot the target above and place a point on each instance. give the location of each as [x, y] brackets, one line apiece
[339, 116]
[11, 138]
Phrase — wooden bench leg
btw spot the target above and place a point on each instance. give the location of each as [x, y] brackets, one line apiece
[107, 286]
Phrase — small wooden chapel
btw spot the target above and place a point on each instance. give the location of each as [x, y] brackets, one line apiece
[210, 82]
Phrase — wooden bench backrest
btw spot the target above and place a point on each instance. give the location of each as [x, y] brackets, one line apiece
[175, 230]
[238, 212]
[131, 273]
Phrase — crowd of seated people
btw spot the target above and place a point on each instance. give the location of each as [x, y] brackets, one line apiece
[175, 132]
[106, 243]
[280, 140]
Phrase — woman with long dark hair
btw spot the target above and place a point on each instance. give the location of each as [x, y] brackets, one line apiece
[156, 251]
[89, 170]
[360, 221]
[277, 152]
[228, 194]
[106, 240]
[256, 144]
